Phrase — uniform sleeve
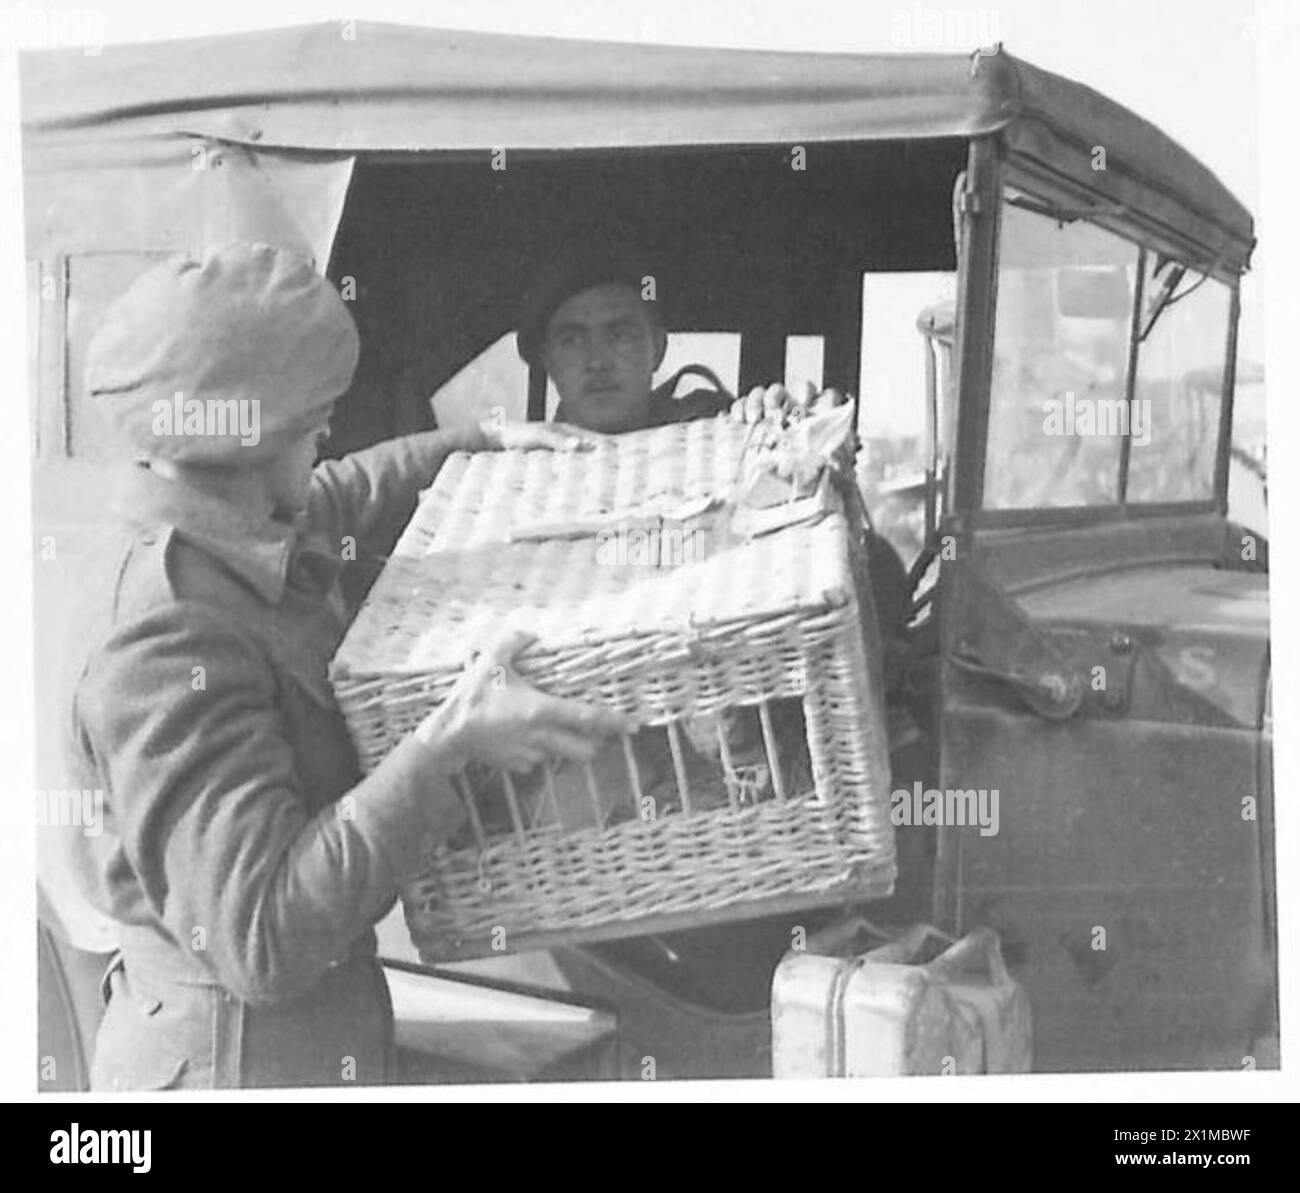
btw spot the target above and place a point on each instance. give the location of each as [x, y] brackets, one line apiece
[201, 781]
[371, 494]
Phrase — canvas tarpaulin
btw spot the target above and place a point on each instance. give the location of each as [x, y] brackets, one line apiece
[347, 87]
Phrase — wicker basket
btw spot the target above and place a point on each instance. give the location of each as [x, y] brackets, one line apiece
[759, 781]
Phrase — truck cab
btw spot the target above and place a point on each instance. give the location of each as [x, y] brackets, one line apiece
[1047, 289]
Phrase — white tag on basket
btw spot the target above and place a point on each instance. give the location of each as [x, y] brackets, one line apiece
[647, 515]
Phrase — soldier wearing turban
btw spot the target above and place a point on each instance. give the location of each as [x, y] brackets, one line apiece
[243, 858]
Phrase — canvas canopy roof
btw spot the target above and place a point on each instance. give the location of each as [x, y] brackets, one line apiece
[338, 90]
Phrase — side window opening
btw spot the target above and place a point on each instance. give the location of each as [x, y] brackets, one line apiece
[496, 379]
[1057, 408]
[805, 362]
[893, 417]
[1178, 391]
[95, 282]
[1063, 432]
[1248, 468]
[717, 350]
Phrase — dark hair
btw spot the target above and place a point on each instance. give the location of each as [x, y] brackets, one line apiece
[570, 271]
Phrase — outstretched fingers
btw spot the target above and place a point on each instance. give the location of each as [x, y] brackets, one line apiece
[579, 717]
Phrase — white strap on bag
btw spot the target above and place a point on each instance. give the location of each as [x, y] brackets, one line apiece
[837, 1060]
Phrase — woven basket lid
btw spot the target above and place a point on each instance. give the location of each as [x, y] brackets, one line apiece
[584, 548]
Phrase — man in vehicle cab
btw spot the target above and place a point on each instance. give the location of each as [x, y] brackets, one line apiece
[592, 320]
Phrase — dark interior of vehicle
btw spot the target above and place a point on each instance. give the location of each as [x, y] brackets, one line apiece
[761, 242]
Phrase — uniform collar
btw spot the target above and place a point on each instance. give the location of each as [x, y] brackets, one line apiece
[260, 550]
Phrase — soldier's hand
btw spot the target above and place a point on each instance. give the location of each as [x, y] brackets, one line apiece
[561, 437]
[495, 717]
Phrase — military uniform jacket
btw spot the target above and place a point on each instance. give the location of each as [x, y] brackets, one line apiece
[243, 857]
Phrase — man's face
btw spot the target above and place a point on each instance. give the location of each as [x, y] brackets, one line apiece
[602, 348]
